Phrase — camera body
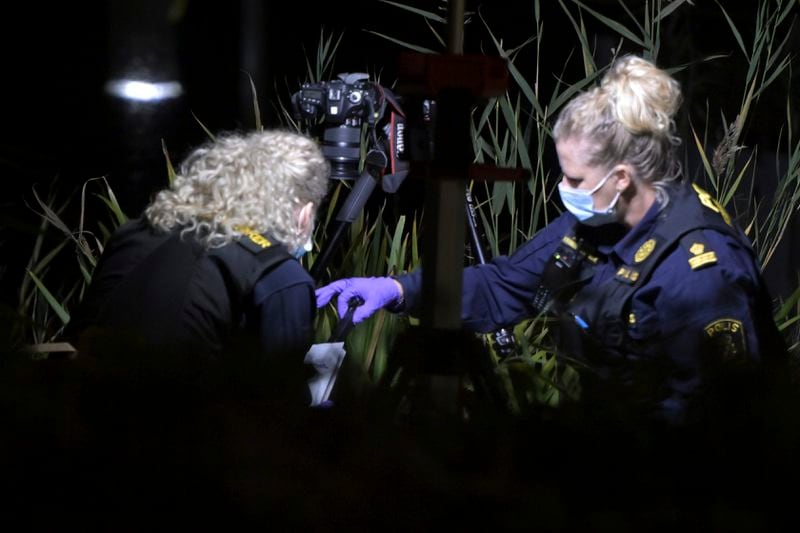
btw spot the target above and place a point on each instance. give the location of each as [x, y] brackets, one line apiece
[347, 101]
[341, 106]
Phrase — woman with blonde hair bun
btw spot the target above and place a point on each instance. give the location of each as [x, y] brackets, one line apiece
[214, 258]
[648, 280]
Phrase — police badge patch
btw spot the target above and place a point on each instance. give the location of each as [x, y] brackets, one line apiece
[727, 340]
[644, 250]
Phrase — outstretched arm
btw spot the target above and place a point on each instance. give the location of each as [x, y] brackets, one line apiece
[377, 293]
[494, 295]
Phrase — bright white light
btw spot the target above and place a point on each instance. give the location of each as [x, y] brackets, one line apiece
[144, 91]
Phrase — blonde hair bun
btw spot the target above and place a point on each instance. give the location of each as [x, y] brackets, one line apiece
[643, 97]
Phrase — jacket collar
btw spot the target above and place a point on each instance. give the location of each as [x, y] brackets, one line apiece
[626, 247]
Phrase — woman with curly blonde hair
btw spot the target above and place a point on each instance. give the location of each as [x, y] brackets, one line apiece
[260, 181]
[214, 258]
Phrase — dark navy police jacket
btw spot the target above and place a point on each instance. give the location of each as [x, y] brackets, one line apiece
[700, 300]
[167, 291]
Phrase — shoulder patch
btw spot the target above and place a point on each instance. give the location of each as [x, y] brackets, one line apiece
[255, 242]
[726, 338]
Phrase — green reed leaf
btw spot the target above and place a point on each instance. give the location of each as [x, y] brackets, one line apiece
[613, 24]
[51, 300]
[404, 44]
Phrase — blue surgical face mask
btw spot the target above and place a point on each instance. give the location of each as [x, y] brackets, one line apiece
[300, 251]
[580, 203]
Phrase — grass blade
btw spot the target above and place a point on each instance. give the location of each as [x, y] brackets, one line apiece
[48, 296]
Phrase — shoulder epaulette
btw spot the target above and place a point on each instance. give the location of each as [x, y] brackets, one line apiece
[710, 203]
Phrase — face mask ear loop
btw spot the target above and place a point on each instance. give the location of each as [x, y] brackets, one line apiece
[612, 204]
[601, 183]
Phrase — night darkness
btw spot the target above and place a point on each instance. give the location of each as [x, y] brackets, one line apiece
[60, 129]
[59, 122]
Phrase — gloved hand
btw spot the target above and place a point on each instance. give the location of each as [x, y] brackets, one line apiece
[376, 293]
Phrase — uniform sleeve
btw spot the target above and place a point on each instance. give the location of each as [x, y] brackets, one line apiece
[713, 309]
[499, 293]
[284, 310]
[706, 321]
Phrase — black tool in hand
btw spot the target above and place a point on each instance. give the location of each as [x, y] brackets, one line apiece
[346, 322]
[503, 341]
[338, 335]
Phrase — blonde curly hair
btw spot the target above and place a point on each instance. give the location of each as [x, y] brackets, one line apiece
[257, 180]
[629, 118]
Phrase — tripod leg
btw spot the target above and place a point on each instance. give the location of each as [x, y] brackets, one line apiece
[352, 206]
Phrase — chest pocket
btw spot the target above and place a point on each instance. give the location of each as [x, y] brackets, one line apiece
[619, 312]
[642, 323]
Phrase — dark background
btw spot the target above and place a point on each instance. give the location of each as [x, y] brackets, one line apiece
[59, 127]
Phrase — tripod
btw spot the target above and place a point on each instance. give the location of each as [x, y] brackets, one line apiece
[374, 166]
[418, 383]
[502, 340]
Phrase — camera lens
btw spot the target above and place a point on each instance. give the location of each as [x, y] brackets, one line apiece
[342, 147]
[354, 97]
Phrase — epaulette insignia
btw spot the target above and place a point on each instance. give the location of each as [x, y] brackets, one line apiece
[700, 257]
[697, 247]
[253, 241]
[644, 250]
[711, 203]
[627, 275]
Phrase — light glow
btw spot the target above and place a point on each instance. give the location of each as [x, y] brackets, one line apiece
[144, 91]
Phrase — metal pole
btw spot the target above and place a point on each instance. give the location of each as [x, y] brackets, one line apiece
[455, 27]
[443, 258]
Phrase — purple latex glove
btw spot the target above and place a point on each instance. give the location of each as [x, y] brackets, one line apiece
[376, 292]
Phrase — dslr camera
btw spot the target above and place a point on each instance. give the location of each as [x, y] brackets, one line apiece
[341, 106]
